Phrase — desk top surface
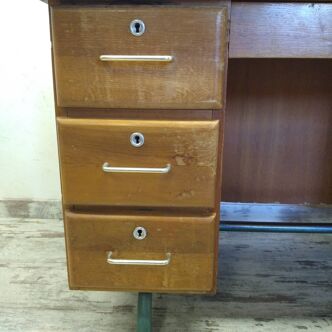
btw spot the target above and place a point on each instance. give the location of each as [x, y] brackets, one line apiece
[176, 1]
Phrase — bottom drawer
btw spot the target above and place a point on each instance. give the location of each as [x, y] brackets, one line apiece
[178, 253]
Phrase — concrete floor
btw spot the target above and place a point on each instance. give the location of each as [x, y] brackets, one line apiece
[267, 282]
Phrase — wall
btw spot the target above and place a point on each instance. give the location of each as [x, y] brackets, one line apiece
[28, 152]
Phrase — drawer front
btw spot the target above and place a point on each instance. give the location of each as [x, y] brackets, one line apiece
[195, 38]
[177, 255]
[175, 167]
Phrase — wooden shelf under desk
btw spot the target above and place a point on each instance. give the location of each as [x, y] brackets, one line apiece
[278, 131]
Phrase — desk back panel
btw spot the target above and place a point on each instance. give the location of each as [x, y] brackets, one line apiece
[278, 131]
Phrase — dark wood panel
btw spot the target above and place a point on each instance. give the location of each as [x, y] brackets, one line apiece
[278, 131]
[281, 30]
[152, 2]
[136, 2]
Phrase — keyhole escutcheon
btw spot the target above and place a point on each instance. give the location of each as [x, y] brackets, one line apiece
[137, 139]
[140, 233]
[137, 27]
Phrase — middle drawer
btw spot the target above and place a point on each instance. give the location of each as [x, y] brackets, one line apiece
[138, 163]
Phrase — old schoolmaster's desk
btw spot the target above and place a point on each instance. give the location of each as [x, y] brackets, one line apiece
[143, 129]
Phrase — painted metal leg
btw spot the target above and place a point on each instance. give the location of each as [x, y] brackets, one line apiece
[144, 312]
[274, 227]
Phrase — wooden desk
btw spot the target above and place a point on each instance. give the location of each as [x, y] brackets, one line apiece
[277, 129]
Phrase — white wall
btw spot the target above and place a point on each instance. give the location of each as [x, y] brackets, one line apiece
[28, 153]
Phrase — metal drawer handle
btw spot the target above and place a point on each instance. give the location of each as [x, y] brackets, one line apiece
[118, 261]
[140, 58]
[110, 169]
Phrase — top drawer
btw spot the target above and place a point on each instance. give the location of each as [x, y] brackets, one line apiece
[193, 39]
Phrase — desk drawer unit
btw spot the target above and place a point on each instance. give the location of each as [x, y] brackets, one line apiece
[99, 63]
[141, 189]
[176, 253]
[104, 163]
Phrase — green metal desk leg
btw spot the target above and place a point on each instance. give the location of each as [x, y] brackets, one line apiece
[144, 312]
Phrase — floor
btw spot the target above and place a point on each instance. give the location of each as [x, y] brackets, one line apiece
[267, 282]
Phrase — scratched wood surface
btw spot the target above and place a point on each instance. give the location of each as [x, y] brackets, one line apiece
[82, 34]
[192, 267]
[191, 148]
[280, 30]
[267, 282]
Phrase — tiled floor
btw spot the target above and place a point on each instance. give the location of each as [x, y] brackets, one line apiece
[267, 282]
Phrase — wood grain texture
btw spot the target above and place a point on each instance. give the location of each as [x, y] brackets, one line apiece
[193, 80]
[278, 131]
[267, 282]
[189, 240]
[191, 147]
[137, 2]
[139, 114]
[280, 30]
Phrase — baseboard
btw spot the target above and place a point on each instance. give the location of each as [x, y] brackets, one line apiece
[29, 209]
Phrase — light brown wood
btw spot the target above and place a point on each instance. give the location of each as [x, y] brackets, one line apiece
[191, 147]
[195, 36]
[280, 30]
[278, 131]
[189, 240]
